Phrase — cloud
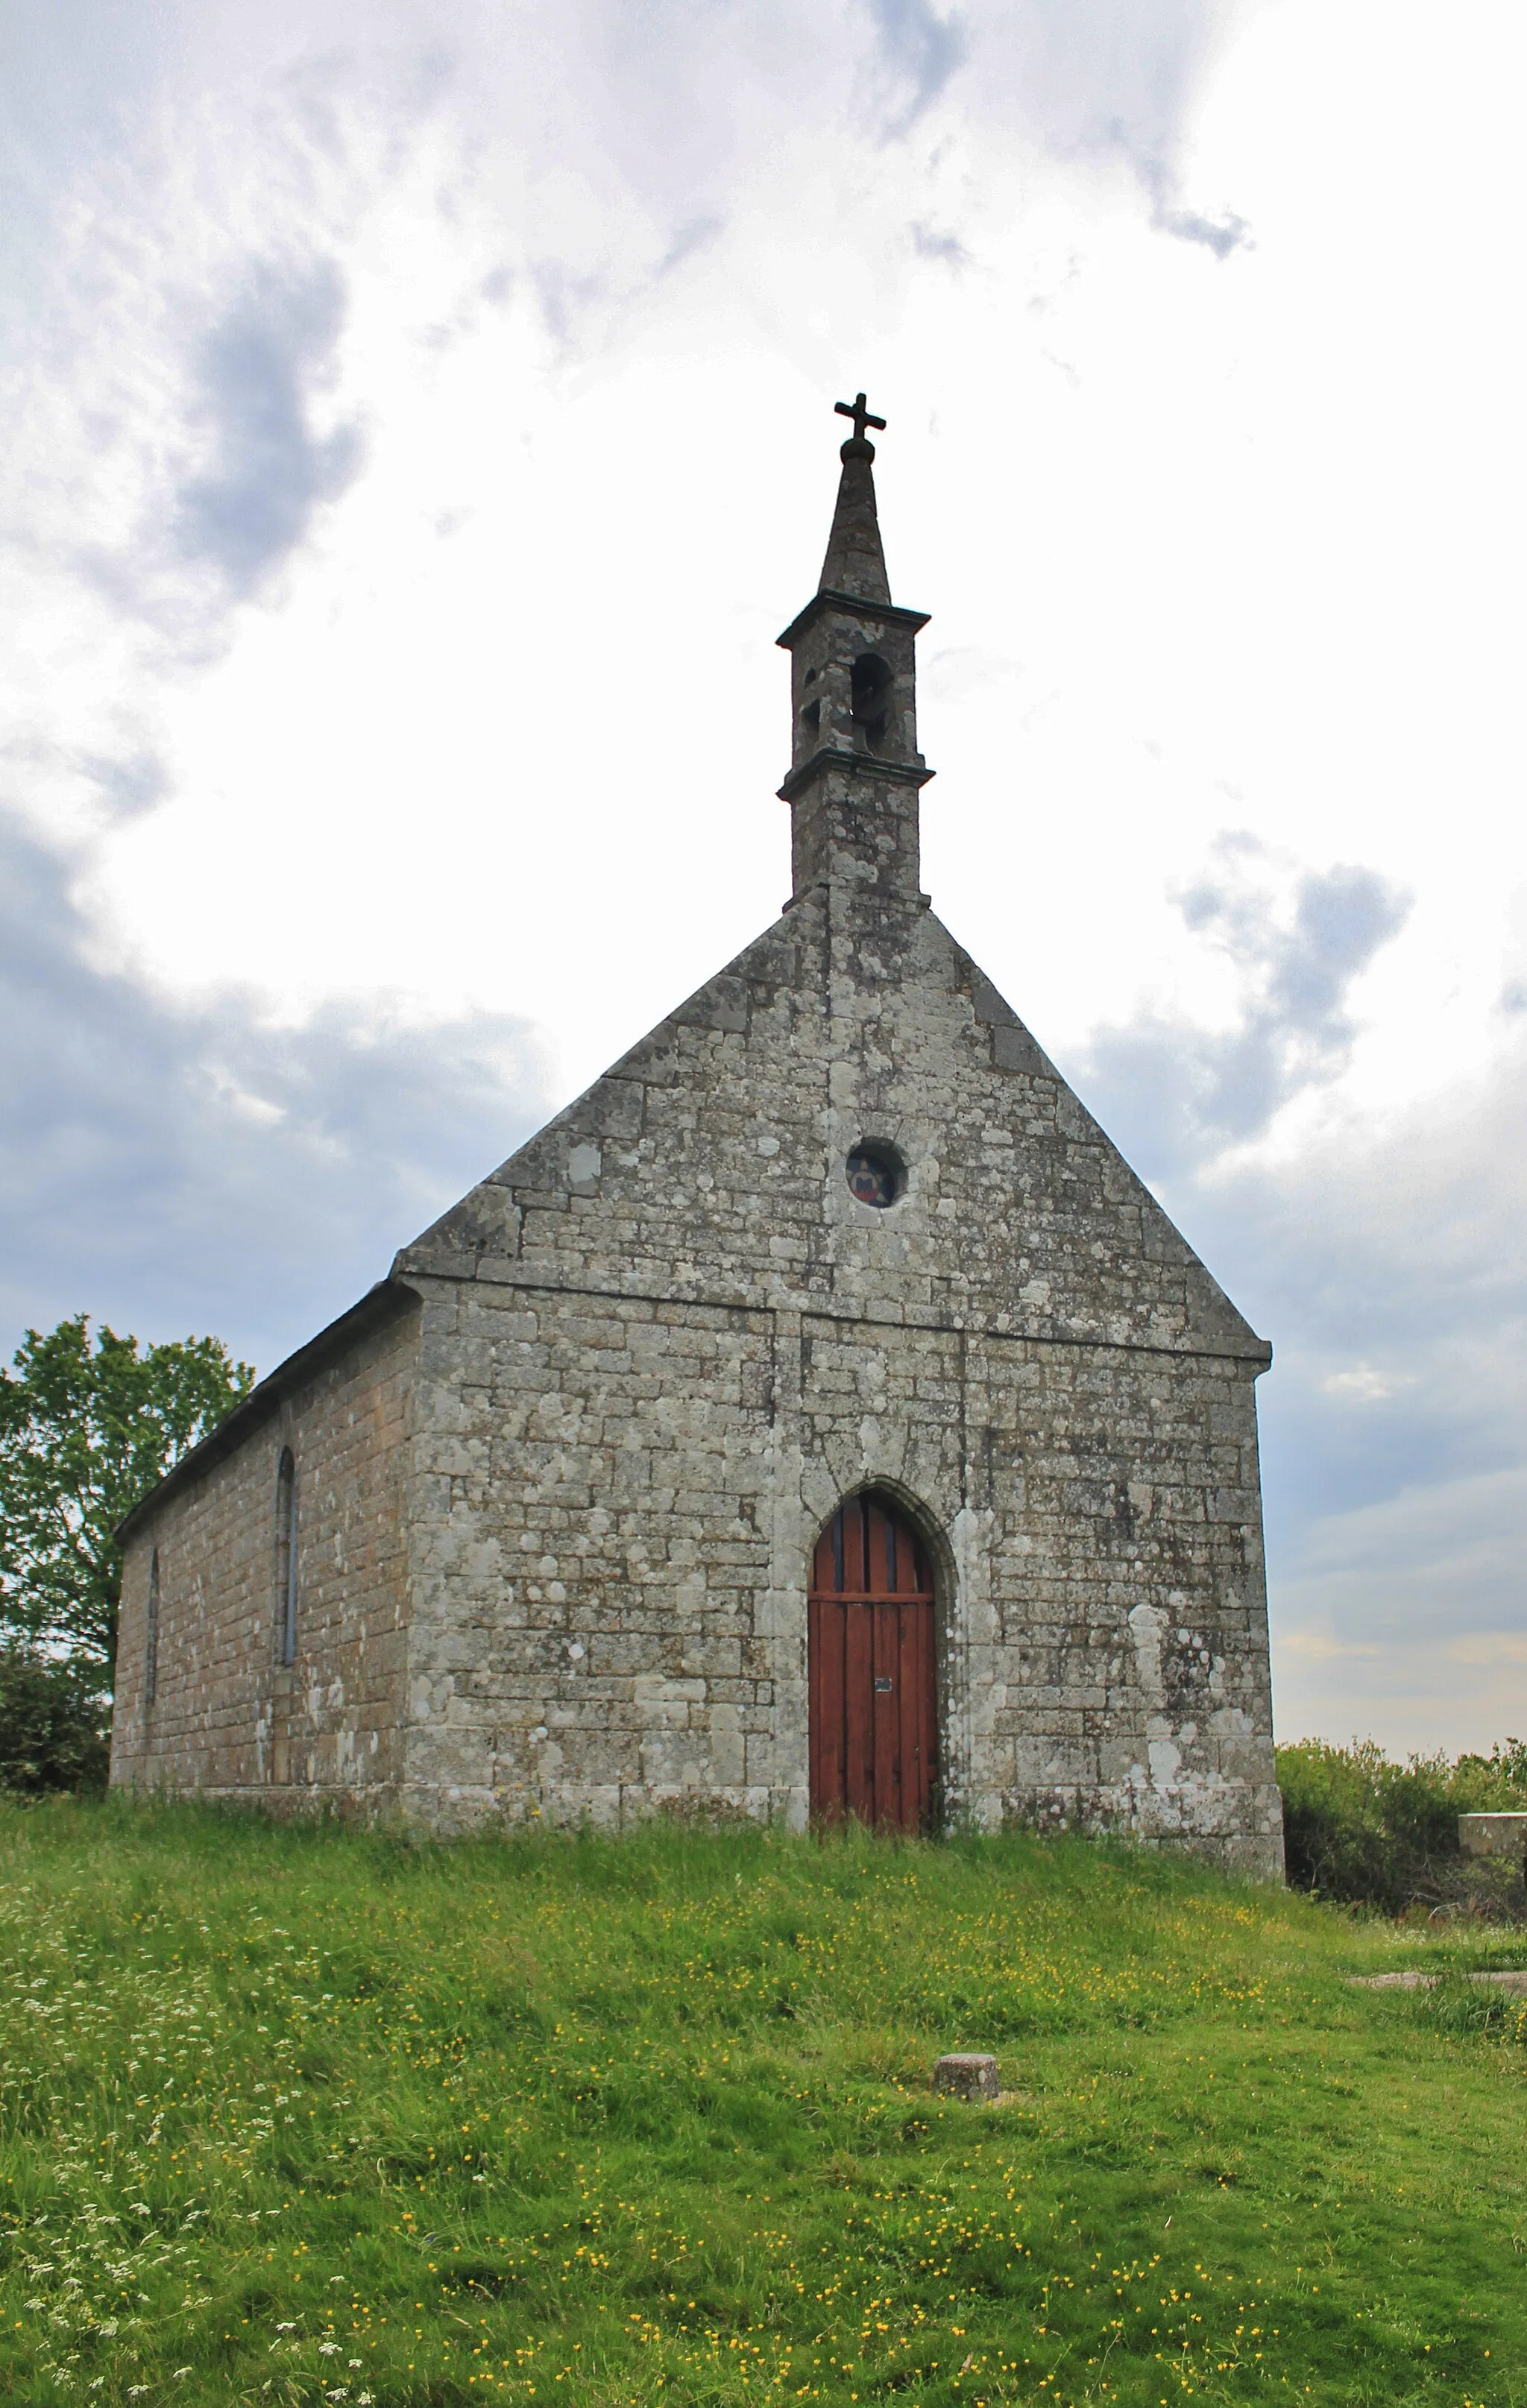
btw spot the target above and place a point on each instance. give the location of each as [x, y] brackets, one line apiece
[1384, 1254]
[920, 50]
[174, 1169]
[224, 224]
[1369, 1255]
[1387, 1263]
[268, 471]
[1366, 1386]
[1221, 235]
[1094, 79]
[126, 787]
[947, 248]
[1176, 1094]
[1403, 1619]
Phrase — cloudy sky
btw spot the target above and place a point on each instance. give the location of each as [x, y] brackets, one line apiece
[416, 428]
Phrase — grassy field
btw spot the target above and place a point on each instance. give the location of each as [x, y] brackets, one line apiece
[308, 2115]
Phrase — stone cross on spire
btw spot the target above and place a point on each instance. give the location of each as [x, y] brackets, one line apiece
[858, 412]
[855, 769]
[855, 562]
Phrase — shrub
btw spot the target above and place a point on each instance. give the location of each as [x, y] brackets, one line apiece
[1362, 1830]
[55, 1720]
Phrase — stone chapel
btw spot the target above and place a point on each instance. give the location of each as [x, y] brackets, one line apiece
[817, 1417]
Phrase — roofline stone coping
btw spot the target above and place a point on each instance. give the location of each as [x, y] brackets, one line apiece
[868, 764]
[387, 1297]
[830, 599]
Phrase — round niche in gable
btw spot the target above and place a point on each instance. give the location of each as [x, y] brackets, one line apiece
[877, 1176]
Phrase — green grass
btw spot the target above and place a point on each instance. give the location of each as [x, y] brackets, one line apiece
[303, 2115]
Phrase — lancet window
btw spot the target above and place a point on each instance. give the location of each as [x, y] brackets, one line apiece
[150, 1652]
[286, 1559]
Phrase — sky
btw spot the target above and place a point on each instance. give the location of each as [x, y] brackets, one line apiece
[417, 426]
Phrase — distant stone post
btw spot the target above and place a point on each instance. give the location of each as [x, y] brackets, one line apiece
[966, 2077]
[1494, 1835]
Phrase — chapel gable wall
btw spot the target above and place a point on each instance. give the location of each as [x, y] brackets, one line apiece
[709, 1161]
[619, 1498]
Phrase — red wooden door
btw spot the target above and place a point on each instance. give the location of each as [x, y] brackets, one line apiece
[870, 1659]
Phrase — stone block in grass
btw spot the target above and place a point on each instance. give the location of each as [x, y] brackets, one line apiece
[966, 2076]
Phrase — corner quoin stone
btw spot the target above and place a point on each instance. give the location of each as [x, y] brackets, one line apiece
[560, 1475]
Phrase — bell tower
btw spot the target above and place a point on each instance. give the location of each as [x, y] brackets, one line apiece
[855, 769]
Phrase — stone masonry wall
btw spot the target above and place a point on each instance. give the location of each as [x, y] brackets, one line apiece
[228, 1719]
[623, 1500]
[662, 1343]
[557, 1517]
[708, 1162]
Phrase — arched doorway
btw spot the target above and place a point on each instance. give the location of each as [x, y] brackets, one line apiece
[872, 1678]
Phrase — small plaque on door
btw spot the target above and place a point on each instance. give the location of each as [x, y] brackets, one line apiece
[882, 1684]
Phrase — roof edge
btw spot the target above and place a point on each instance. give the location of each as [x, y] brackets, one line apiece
[868, 764]
[378, 1304]
[855, 605]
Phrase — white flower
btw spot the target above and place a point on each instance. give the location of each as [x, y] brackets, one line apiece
[328, 2349]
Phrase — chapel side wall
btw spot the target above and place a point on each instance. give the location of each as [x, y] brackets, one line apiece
[618, 1499]
[228, 1719]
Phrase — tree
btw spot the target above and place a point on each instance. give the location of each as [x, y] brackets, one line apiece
[85, 1430]
[54, 1719]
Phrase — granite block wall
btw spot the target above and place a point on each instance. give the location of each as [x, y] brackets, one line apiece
[618, 1510]
[558, 1513]
[563, 1475]
[228, 1718]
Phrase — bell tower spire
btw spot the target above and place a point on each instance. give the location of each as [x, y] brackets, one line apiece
[856, 770]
